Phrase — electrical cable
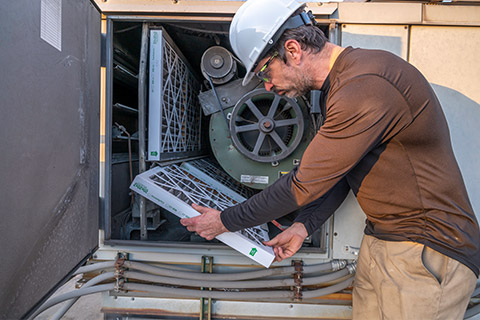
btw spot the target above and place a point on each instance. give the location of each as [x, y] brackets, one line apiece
[230, 276]
[89, 287]
[236, 284]
[332, 265]
[95, 267]
[73, 294]
[100, 278]
[227, 295]
[188, 293]
[328, 290]
[218, 100]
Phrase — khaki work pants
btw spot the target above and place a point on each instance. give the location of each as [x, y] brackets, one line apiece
[409, 281]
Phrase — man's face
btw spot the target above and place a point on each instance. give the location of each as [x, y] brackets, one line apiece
[285, 78]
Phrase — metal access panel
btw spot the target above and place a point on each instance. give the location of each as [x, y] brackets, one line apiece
[448, 58]
[50, 61]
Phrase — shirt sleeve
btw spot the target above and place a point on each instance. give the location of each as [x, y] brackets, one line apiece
[314, 214]
[361, 114]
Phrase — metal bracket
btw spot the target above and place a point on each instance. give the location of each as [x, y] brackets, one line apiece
[119, 271]
[338, 264]
[206, 303]
[297, 277]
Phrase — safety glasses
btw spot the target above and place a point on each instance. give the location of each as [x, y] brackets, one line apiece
[262, 73]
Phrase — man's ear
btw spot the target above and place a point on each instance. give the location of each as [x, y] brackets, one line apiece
[293, 50]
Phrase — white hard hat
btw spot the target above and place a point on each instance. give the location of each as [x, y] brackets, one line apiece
[254, 26]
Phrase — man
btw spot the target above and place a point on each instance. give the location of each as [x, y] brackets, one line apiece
[385, 137]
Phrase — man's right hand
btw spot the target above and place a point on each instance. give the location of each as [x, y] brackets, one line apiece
[288, 242]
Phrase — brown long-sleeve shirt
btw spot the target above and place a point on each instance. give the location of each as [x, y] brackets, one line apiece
[385, 136]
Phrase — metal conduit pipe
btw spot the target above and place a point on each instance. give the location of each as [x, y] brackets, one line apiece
[232, 276]
[73, 294]
[235, 284]
[187, 293]
[100, 278]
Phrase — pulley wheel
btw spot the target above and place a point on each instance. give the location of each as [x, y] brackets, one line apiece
[218, 64]
[265, 126]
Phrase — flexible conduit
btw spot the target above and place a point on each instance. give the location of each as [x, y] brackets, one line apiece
[100, 278]
[236, 284]
[229, 276]
[187, 293]
[73, 294]
[249, 295]
[95, 267]
[89, 287]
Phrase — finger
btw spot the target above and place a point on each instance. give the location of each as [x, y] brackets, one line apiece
[284, 254]
[200, 208]
[278, 258]
[279, 252]
[185, 221]
[271, 243]
[188, 221]
[209, 237]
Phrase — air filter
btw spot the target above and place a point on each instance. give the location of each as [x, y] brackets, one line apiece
[174, 130]
[175, 188]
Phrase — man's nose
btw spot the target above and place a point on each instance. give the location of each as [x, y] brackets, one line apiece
[268, 86]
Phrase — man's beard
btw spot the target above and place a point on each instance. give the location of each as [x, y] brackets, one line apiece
[300, 87]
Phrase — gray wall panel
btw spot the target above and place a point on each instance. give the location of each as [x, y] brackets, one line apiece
[50, 123]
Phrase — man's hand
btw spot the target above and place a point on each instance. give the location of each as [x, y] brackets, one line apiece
[207, 225]
[288, 242]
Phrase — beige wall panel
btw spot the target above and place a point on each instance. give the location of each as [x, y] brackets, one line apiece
[449, 59]
[459, 15]
[388, 13]
[393, 38]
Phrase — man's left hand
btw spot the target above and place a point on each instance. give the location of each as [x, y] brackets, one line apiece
[207, 225]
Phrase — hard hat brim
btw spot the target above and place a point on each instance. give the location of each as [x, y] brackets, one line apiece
[248, 77]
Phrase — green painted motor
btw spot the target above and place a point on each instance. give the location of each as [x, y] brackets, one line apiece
[266, 137]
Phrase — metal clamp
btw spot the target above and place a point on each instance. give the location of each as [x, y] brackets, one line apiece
[119, 272]
[352, 268]
[297, 277]
[206, 303]
[338, 264]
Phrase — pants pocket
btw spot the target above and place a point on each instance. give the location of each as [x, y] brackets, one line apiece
[434, 263]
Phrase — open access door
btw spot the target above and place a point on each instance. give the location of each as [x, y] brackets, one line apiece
[49, 89]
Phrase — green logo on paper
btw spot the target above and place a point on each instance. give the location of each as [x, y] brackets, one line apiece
[140, 187]
[154, 153]
[253, 251]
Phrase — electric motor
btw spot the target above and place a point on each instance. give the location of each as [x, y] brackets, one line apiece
[218, 64]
